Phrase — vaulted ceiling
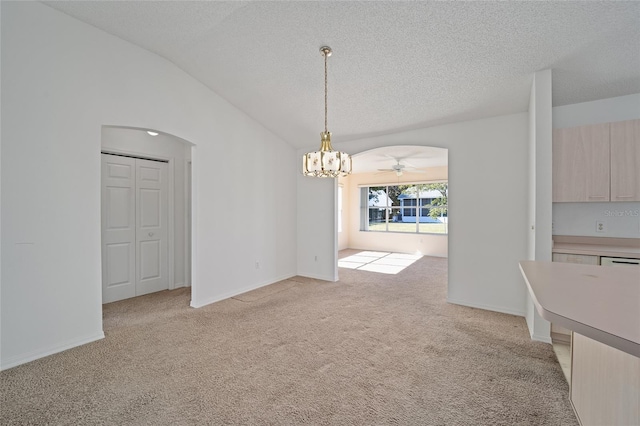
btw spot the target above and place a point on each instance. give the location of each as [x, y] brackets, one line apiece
[396, 65]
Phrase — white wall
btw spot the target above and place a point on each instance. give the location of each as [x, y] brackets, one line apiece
[1, 133]
[540, 183]
[544, 153]
[343, 237]
[317, 226]
[530, 312]
[483, 253]
[62, 80]
[620, 108]
[531, 248]
[177, 152]
[622, 220]
[426, 244]
[579, 219]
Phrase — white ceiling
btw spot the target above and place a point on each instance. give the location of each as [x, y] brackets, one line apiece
[396, 65]
[414, 158]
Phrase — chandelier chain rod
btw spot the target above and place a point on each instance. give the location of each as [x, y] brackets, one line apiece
[325, 92]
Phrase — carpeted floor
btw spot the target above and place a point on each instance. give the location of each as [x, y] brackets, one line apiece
[370, 349]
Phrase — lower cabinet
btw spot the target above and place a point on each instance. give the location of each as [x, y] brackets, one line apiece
[605, 384]
[583, 259]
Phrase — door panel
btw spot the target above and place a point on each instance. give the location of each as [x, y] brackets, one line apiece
[114, 170]
[150, 262]
[151, 201]
[149, 174]
[118, 228]
[119, 207]
[118, 256]
[151, 226]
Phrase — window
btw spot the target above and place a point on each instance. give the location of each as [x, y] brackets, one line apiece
[416, 208]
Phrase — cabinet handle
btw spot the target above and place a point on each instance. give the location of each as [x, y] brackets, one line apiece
[624, 196]
[596, 196]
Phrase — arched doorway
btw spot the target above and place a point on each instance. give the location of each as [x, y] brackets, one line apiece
[146, 205]
[394, 201]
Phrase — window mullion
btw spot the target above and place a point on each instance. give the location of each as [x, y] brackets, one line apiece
[417, 208]
[386, 211]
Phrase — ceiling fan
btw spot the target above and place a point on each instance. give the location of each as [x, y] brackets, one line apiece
[399, 168]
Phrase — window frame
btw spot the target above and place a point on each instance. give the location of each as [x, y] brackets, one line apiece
[414, 208]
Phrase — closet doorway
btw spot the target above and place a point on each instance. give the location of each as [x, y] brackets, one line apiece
[146, 189]
[134, 226]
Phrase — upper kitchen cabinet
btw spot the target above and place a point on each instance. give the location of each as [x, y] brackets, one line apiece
[581, 164]
[625, 161]
[599, 162]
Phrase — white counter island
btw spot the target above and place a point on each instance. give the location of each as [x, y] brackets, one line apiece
[601, 305]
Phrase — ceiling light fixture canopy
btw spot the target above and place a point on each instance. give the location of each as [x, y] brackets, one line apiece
[326, 162]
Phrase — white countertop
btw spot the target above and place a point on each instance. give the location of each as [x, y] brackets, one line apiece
[602, 303]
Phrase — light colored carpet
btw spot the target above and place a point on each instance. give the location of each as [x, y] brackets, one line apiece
[371, 349]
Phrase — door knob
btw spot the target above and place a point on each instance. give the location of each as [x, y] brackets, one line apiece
[151, 234]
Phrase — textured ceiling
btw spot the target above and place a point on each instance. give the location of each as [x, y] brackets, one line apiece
[414, 158]
[396, 65]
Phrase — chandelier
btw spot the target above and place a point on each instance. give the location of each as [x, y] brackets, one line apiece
[326, 162]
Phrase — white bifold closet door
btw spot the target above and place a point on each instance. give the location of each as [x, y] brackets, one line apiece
[134, 227]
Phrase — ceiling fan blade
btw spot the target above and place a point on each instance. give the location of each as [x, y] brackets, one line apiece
[398, 160]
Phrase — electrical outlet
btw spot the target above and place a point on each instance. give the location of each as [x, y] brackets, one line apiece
[600, 226]
[316, 258]
[257, 265]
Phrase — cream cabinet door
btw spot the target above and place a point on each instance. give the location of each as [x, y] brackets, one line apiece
[625, 161]
[581, 169]
[605, 384]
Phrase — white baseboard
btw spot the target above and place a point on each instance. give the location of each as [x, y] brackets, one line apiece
[540, 338]
[318, 277]
[486, 307]
[32, 356]
[238, 291]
